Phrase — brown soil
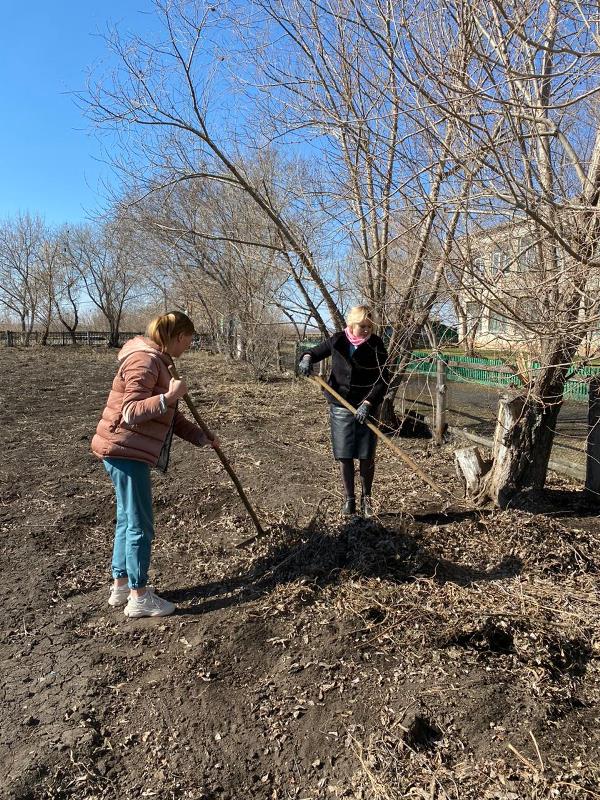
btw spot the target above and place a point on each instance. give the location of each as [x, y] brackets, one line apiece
[435, 652]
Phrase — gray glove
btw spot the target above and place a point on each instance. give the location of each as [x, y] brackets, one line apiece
[305, 366]
[362, 412]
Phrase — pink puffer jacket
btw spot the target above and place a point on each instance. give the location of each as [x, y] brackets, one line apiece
[132, 425]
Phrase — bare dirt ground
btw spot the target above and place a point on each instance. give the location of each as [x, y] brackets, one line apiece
[435, 652]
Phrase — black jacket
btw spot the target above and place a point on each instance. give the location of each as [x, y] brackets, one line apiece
[357, 377]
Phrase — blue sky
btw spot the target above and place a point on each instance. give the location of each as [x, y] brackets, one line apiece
[50, 159]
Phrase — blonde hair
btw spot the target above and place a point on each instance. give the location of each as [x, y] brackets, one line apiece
[164, 328]
[359, 314]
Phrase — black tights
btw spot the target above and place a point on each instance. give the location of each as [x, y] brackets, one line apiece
[367, 473]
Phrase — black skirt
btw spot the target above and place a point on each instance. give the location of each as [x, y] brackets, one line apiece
[349, 438]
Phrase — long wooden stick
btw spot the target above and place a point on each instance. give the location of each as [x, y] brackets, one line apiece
[407, 459]
[190, 404]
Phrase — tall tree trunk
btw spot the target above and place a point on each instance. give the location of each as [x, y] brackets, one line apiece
[522, 446]
[387, 414]
[113, 336]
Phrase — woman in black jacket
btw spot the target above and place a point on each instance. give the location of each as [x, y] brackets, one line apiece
[359, 375]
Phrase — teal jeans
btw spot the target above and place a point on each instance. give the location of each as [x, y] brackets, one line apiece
[135, 523]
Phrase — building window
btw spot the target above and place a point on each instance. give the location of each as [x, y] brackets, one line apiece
[499, 263]
[525, 253]
[479, 265]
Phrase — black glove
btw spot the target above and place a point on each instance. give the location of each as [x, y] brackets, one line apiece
[362, 412]
[305, 366]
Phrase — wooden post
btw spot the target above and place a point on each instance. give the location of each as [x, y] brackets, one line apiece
[440, 401]
[592, 472]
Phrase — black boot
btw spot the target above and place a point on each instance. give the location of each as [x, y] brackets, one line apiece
[349, 508]
[366, 506]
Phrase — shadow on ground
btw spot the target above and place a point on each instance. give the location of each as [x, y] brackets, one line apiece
[557, 502]
[322, 556]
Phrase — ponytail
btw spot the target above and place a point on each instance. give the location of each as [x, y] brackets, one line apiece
[162, 329]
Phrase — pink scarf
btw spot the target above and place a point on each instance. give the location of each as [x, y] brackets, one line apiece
[355, 340]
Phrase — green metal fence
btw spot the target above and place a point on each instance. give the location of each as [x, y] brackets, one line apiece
[469, 369]
[481, 370]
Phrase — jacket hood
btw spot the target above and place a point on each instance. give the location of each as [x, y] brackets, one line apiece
[139, 344]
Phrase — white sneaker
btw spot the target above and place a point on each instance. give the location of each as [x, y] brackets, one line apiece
[119, 595]
[148, 605]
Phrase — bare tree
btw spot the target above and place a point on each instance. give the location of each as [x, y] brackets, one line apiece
[21, 242]
[334, 81]
[107, 259]
[47, 283]
[527, 100]
[68, 287]
[163, 87]
[220, 256]
[345, 82]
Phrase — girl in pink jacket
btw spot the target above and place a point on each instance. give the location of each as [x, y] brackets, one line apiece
[134, 434]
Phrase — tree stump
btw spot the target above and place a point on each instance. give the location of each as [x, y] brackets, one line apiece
[499, 479]
[471, 467]
[510, 450]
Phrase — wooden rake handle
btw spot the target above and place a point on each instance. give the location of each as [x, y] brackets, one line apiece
[407, 459]
[207, 432]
